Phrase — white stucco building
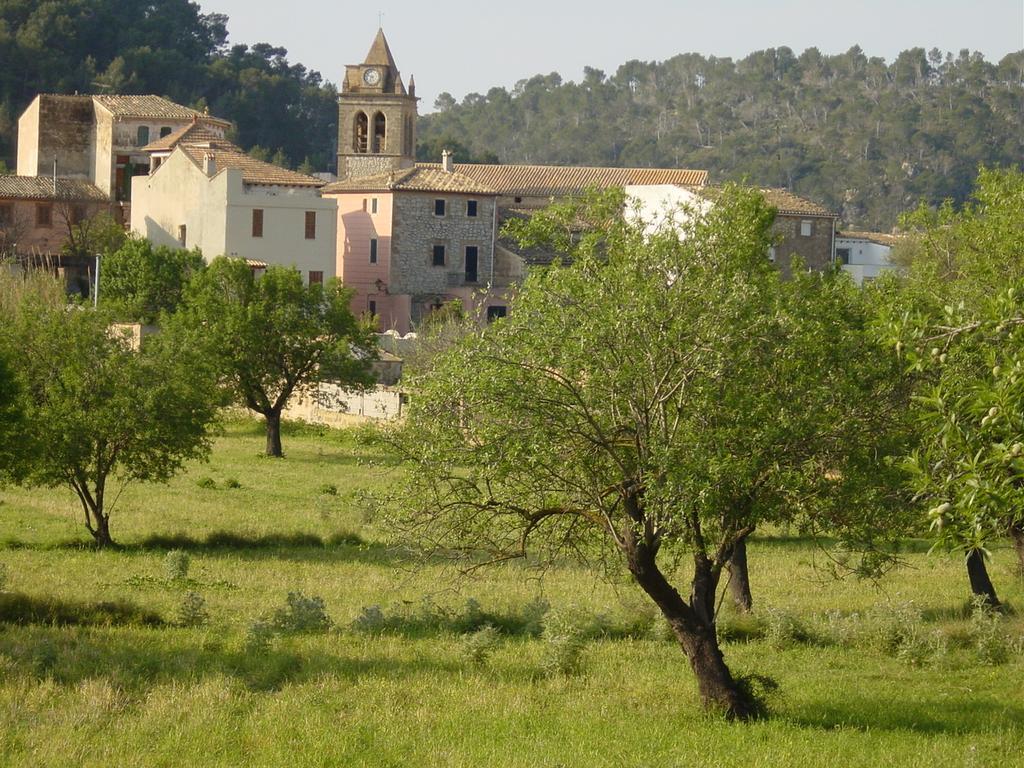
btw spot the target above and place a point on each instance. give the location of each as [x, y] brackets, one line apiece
[206, 193]
[864, 255]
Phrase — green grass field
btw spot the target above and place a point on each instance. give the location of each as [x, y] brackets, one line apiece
[397, 688]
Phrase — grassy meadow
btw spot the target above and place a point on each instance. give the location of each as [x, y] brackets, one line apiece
[896, 674]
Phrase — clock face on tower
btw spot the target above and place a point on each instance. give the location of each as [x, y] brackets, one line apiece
[371, 76]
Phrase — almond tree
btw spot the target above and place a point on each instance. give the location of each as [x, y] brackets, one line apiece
[957, 323]
[617, 412]
[272, 336]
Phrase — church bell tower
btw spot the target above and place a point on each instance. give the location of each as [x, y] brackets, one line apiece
[376, 116]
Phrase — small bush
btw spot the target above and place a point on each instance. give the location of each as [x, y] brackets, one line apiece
[991, 645]
[784, 630]
[563, 654]
[371, 620]
[533, 615]
[889, 628]
[232, 482]
[738, 628]
[345, 538]
[192, 611]
[565, 638]
[328, 489]
[259, 636]
[206, 482]
[176, 564]
[478, 646]
[302, 614]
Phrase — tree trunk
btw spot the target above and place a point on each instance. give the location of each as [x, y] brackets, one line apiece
[693, 624]
[274, 433]
[739, 578]
[1017, 536]
[981, 584]
[101, 530]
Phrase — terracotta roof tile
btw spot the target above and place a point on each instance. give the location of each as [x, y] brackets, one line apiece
[420, 178]
[200, 130]
[148, 106]
[227, 155]
[41, 188]
[785, 202]
[555, 180]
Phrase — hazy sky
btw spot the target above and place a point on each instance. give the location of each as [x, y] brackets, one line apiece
[461, 46]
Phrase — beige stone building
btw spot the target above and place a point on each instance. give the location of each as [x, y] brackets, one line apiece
[99, 138]
[204, 192]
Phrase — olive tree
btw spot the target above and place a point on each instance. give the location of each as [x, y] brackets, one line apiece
[139, 281]
[101, 414]
[272, 336]
[957, 323]
[652, 401]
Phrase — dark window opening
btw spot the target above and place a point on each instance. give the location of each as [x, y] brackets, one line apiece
[166, 131]
[379, 132]
[843, 255]
[77, 214]
[44, 215]
[472, 253]
[373, 250]
[438, 259]
[311, 225]
[439, 207]
[373, 307]
[495, 312]
[257, 222]
[142, 136]
[471, 207]
[316, 278]
[373, 205]
[360, 133]
[519, 199]
[182, 235]
[6, 215]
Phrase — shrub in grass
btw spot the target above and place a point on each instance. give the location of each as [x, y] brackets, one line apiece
[887, 628]
[302, 614]
[371, 620]
[533, 615]
[991, 645]
[259, 636]
[565, 638]
[176, 563]
[345, 538]
[478, 646]
[563, 654]
[328, 489]
[232, 482]
[192, 611]
[206, 482]
[735, 628]
[784, 630]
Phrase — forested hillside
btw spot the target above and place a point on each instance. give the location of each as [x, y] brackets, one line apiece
[170, 48]
[866, 137]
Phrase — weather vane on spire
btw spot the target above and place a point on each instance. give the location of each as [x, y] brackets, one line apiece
[380, 19]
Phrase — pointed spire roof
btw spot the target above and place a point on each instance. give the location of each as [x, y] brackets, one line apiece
[380, 52]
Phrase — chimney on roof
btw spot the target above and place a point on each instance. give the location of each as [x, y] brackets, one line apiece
[447, 161]
[412, 85]
[209, 164]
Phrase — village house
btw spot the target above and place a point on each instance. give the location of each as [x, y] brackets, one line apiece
[99, 138]
[204, 192]
[802, 228]
[37, 215]
[865, 255]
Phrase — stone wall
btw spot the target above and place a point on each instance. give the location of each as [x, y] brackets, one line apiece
[56, 127]
[333, 406]
[815, 249]
[416, 230]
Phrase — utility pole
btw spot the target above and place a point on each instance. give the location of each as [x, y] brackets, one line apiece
[96, 290]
